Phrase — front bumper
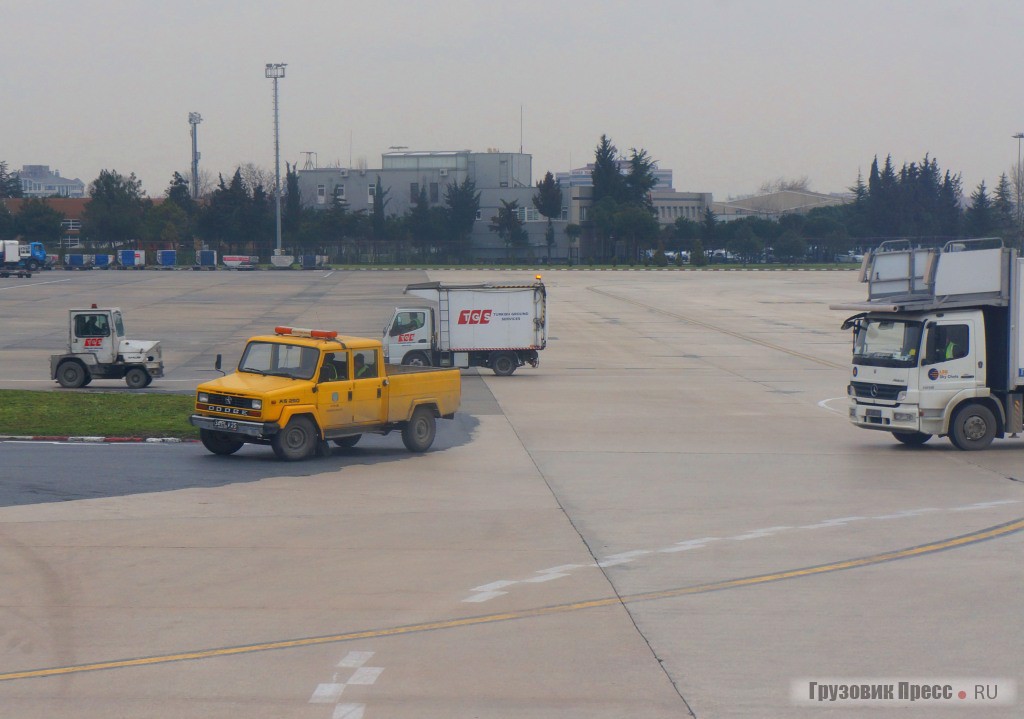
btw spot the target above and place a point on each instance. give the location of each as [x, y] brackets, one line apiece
[257, 430]
[898, 418]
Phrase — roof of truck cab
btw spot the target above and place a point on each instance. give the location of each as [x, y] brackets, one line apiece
[345, 341]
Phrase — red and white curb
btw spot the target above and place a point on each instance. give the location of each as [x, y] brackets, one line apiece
[91, 440]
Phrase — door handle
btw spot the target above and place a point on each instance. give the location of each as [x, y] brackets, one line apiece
[350, 395]
[378, 393]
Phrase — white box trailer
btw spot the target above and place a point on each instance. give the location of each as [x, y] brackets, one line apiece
[497, 325]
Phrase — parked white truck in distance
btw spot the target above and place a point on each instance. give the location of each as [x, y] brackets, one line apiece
[938, 347]
[497, 325]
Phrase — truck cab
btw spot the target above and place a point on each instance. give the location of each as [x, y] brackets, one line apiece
[936, 347]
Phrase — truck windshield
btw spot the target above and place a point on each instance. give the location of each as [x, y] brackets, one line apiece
[279, 360]
[887, 343]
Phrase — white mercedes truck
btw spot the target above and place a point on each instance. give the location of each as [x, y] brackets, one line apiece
[491, 324]
[937, 346]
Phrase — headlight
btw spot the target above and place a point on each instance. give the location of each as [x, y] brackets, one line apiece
[902, 396]
[257, 404]
[903, 416]
[203, 397]
[853, 413]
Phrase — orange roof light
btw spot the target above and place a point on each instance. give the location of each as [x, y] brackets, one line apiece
[302, 332]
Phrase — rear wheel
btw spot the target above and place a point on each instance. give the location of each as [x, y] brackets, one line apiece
[219, 442]
[296, 441]
[418, 433]
[504, 363]
[71, 374]
[347, 442]
[912, 439]
[973, 427]
[416, 359]
[137, 378]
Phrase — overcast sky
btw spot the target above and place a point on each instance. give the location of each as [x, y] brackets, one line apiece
[725, 94]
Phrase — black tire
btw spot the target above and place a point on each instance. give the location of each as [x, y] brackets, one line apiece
[137, 378]
[298, 440]
[88, 379]
[149, 379]
[973, 427]
[418, 433]
[32, 266]
[71, 374]
[504, 363]
[219, 442]
[416, 359]
[912, 439]
[347, 442]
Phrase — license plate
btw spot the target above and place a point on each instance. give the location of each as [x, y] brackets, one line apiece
[874, 413]
[225, 424]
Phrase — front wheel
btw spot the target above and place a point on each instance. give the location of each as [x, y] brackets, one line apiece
[219, 442]
[973, 427]
[504, 363]
[71, 375]
[416, 359]
[296, 441]
[912, 439]
[32, 266]
[137, 378]
[418, 433]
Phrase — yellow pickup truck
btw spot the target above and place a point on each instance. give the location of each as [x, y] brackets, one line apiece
[298, 389]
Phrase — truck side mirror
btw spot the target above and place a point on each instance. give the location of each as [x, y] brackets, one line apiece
[217, 362]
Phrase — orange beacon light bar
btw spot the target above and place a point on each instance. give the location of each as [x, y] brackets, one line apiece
[302, 332]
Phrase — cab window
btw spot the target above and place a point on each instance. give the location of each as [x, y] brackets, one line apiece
[364, 364]
[946, 342]
[406, 322]
[92, 326]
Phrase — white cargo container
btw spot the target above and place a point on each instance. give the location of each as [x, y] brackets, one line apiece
[938, 347]
[498, 325]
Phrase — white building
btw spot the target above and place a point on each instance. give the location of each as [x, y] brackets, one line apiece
[39, 181]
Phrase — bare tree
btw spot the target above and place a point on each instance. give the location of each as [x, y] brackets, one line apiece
[255, 176]
[207, 181]
[783, 184]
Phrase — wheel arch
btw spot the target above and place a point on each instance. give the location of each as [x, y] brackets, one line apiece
[289, 413]
[983, 398]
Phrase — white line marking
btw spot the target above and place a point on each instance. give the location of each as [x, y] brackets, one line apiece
[327, 694]
[613, 560]
[758, 533]
[355, 659]
[824, 404]
[546, 575]
[839, 521]
[495, 585]
[688, 545]
[984, 505]
[34, 284]
[348, 711]
[483, 596]
[365, 675]
[907, 513]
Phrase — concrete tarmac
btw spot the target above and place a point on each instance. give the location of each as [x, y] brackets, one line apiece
[670, 517]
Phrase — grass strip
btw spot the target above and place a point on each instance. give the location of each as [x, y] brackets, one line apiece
[96, 414]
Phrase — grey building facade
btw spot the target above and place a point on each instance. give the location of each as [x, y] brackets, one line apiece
[497, 176]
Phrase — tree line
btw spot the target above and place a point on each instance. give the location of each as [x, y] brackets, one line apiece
[919, 201]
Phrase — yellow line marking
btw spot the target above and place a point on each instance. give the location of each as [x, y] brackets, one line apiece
[996, 531]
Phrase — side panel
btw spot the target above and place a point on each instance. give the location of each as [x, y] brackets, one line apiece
[1016, 343]
[495, 319]
[409, 387]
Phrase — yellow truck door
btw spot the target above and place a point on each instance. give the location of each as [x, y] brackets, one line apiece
[369, 401]
[334, 390]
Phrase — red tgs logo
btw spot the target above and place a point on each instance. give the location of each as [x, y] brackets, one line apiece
[94, 342]
[475, 317]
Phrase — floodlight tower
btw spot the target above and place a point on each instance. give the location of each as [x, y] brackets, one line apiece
[194, 118]
[275, 71]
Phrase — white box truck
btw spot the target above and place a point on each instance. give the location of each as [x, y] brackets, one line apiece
[498, 325]
[938, 347]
